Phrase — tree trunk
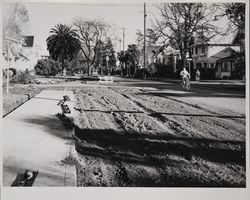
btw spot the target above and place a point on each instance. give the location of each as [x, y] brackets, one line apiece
[134, 70]
[88, 68]
[122, 68]
[62, 66]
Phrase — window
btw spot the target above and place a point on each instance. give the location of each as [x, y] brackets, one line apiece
[203, 49]
[225, 67]
[205, 65]
[196, 50]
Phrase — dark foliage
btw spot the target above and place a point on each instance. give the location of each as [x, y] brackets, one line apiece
[22, 77]
[47, 67]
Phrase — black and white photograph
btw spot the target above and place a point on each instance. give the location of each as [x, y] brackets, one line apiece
[131, 95]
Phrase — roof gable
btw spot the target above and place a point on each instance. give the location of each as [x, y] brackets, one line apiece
[224, 53]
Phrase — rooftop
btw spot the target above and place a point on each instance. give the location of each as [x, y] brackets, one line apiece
[225, 53]
[213, 44]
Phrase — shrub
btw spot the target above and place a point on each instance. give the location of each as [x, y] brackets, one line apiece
[141, 73]
[13, 71]
[22, 77]
[47, 67]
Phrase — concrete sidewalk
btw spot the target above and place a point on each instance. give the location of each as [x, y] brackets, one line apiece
[34, 138]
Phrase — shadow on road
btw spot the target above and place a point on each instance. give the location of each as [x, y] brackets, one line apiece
[201, 90]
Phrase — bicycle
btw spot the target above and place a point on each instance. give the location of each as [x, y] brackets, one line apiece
[185, 84]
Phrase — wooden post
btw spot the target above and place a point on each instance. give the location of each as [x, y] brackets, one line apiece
[145, 15]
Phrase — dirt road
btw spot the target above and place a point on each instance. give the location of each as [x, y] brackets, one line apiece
[128, 137]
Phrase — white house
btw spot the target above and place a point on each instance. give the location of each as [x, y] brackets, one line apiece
[165, 55]
[22, 56]
[207, 56]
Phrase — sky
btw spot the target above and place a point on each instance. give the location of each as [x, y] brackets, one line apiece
[43, 17]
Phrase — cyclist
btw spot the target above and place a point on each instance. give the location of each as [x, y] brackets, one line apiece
[185, 78]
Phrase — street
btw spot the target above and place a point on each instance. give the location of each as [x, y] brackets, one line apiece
[228, 97]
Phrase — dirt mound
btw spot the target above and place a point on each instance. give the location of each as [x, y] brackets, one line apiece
[126, 137]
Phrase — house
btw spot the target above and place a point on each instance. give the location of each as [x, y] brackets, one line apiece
[24, 54]
[165, 56]
[151, 57]
[169, 57]
[214, 58]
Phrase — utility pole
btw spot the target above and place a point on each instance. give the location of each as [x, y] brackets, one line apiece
[123, 46]
[145, 15]
[8, 53]
[123, 36]
[120, 44]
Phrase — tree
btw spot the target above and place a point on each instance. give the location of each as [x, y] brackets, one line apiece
[91, 34]
[47, 67]
[133, 58]
[15, 17]
[110, 52]
[123, 59]
[180, 22]
[129, 59]
[151, 37]
[77, 64]
[235, 13]
[99, 62]
[63, 43]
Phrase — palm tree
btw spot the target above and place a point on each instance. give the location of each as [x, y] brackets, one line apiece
[63, 43]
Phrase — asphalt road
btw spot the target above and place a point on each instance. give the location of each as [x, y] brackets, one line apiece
[215, 96]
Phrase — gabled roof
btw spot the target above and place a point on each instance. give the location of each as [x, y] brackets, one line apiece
[213, 44]
[170, 50]
[225, 53]
[227, 39]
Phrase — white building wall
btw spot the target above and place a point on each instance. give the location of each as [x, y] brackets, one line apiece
[33, 54]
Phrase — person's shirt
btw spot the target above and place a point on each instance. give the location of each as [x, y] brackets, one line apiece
[197, 73]
[184, 74]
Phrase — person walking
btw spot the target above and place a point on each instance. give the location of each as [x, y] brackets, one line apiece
[197, 76]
